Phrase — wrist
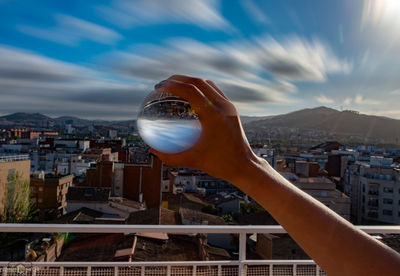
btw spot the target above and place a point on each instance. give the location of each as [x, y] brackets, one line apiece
[247, 173]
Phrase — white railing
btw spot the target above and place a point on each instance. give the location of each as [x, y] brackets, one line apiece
[13, 158]
[191, 268]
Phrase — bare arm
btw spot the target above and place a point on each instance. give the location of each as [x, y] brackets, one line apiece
[223, 151]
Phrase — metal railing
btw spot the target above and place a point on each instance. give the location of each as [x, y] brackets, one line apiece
[13, 158]
[181, 268]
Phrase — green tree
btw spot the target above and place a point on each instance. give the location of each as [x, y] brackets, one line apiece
[17, 203]
[209, 209]
[227, 218]
[250, 208]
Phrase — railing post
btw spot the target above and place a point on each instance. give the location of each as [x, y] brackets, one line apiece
[194, 271]
[219, 273]
[89, 271]
[168, 270]
[115, 270]
[4, 271]
[294, 269]
[242, 252]
[34, 270]
[61, 271]
[316, 270]
[142, 270]
[271, 269]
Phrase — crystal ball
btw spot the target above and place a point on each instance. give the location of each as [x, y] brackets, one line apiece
[168, 123]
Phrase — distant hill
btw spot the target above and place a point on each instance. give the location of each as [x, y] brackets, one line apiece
[21, 116]
[342, 123]
[248, 119]
[37, 120]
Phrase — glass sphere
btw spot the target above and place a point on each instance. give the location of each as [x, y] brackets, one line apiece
[168, 123]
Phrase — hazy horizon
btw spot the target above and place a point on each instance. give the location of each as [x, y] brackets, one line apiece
[135, 117]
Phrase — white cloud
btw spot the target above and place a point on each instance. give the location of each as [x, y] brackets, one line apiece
[255, 12]
[30, 82]
[395, 92]
[348, 101]
[205, 14]
[71, 31]
[238, 66]
[361, 100]
[324, 100]
[297, 59]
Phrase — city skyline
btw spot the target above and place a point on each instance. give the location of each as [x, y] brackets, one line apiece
[92, 60]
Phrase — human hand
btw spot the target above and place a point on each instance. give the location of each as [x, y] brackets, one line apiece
[222, 148]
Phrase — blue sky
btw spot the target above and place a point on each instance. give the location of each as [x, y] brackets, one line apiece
[98, 59]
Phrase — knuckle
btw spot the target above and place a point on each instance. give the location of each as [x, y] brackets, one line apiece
[175, 76]
[196, 81]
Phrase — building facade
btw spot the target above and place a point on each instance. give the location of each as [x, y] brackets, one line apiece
[10, 165]
[374, 188]
[49, 194]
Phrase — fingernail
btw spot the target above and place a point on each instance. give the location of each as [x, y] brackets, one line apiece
[159, 85]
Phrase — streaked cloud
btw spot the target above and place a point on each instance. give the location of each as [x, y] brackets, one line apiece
[254, 11]
[20, 65]
[30, 82]
[297, 59]
[395, 92]
[204, 14]
[324, 99]
[71, 31]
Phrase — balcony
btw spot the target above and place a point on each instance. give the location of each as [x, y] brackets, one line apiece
[242, 266]
[13, 158]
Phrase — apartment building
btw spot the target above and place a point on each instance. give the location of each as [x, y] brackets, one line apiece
[374, 189]
[49, 194]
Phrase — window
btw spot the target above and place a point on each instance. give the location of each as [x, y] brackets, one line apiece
[388, 189]
[387, 201]
[387, 212]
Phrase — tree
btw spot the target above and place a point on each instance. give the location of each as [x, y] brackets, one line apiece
[227, 218]
[17, 204]
[250, 208]
[209, 209]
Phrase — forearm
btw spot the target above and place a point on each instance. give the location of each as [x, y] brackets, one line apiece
[334, 243]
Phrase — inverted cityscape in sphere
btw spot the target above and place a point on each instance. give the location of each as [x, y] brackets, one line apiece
[168, 123]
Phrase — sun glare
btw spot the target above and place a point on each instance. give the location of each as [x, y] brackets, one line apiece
[382, 12]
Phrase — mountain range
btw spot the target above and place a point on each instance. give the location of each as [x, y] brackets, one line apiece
[345, 123]
[37, 120]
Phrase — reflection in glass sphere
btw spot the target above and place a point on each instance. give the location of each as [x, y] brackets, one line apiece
[168, 123]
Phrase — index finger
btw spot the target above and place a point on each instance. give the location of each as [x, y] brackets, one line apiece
[208, 90]
[186, 91]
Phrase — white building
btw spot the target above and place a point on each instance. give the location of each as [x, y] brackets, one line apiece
[374, 189]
